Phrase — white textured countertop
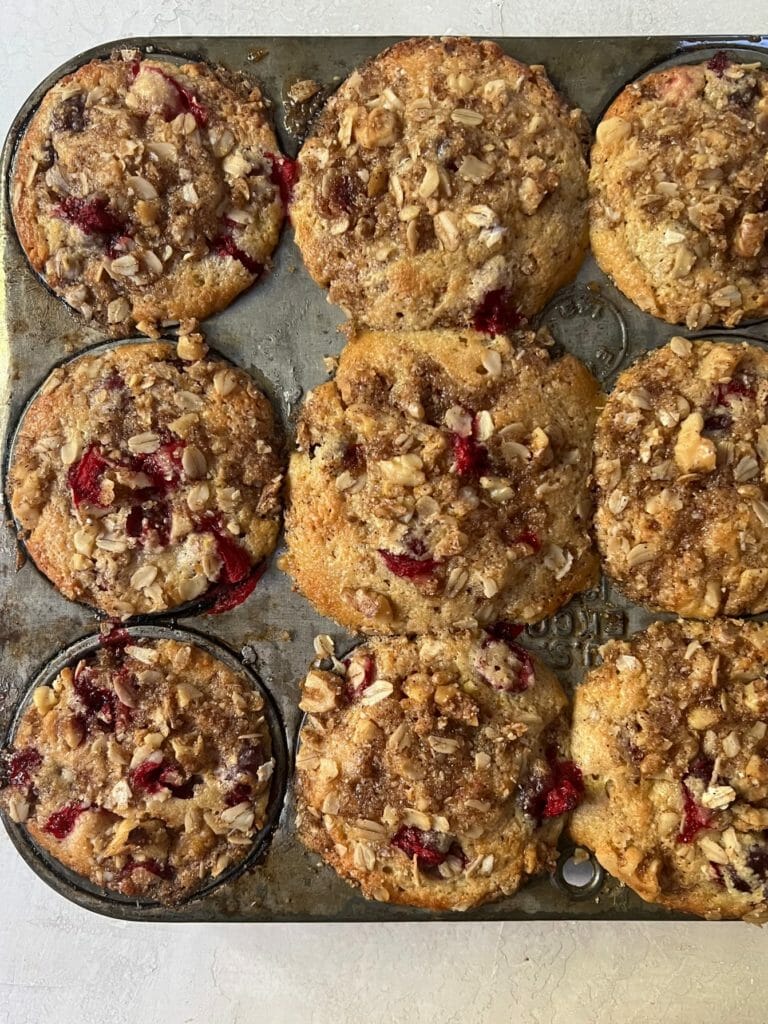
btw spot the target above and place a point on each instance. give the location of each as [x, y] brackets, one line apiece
[60, 964]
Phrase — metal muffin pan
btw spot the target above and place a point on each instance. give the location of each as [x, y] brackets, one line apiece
[279, 331]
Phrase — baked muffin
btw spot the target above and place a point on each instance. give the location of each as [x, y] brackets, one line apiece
[146, 768]
[434, 771]
[681, 462]
[143, 191]
[442, 479]
[670, 734]
[678, 179]
[444, 184]
[140, 483]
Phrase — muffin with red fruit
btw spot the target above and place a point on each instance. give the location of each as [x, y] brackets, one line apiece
[444, 184]
[681, 463]
[442, 479]
[434, 772]
[140, 483]
[146, 767]
[677, 186]
[146, 192]
[670, 733]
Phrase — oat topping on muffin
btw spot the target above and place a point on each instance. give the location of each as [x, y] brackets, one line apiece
[141, 483]
[678, 193]
[442, 479]
[146, 192]
[434, 772]
[146, 768]
[670, 734]
[445, 183]
[681, 463]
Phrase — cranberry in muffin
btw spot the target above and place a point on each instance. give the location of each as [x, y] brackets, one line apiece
[140, 483]
[146, 768]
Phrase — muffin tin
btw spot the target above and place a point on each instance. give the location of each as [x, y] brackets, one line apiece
[280, 331]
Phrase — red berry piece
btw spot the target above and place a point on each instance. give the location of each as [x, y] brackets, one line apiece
[85, 477]
[719, 63]
[116, 638]
[530, 538]
[238, 795]
[225, 245]
[21, 765]
[91, 215]
[227, 596]
[99, 705]
[187, 101]
[285, 174]
[407, 567]
[429, 848]
[61, 822]
[555, 792]
[163, 467]
[369, 674]
[148, 776]
[695, 817]
[470, 458]
[504, 664]
[566, 792]
[498, 314]
[737, 387]
[151, 865]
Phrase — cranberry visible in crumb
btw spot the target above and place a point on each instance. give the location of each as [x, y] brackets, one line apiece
[695, 817]
[187, 101]
[101, 706]
[229, 595]
[429, 848]
[225, 245]
[154, 867]
[498, 314]
[115, 638]
[91, 215]
[530, 538]
[238, 795]
[566, 792]
[61, 822]
[505, 633]
[85, 477]
[369, 674]
[407, 567]
[555, 792]
[153, 776]
[469, 456]
[21, 765]
[719, 63]
[285, 174]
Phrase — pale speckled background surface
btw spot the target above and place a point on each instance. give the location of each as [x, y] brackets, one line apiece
[60, 964]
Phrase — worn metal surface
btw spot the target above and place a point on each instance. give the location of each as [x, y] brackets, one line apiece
[279, 331]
